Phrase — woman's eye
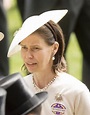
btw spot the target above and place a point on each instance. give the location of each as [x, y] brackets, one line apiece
[25, 48]
[35, 48]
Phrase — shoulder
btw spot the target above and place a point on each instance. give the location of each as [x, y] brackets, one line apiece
[71, 83]
[29, 81]
[28, 78]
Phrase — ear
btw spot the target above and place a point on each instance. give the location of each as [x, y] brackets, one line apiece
[55, 47]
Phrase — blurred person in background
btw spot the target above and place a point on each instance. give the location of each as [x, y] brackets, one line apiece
[4, 62]
[77, 20]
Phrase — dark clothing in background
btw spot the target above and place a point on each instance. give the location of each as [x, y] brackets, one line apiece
[4, 64]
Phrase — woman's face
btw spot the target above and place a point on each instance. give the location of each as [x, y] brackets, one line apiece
[36, 54]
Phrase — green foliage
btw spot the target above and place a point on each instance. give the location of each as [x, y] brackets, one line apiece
[74, 57]
[14, 23]
[14, 20]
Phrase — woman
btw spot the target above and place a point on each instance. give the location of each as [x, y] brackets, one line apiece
[42, 50]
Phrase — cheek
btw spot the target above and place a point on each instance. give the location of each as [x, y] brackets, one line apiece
[23, 55]
[46, 57]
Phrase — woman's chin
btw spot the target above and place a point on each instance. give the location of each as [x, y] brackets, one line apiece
[31, 70]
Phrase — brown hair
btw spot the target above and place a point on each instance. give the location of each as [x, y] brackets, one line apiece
[52, 32]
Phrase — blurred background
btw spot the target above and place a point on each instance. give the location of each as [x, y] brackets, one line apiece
[73, 55]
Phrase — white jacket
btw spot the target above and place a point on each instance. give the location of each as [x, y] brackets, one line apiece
[67, 96]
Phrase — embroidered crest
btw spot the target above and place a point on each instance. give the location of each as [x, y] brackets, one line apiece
[58, 109]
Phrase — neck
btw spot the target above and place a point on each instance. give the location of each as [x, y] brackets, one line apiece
[43, 79]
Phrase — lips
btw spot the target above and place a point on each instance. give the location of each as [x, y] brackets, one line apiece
[31, 64]
[31, 67]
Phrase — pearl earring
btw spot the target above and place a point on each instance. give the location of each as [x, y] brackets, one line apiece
[53, 58]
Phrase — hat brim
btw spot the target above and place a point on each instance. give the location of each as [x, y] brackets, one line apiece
[31, 24]
[2, 93]
[1, 36]
[27, 107]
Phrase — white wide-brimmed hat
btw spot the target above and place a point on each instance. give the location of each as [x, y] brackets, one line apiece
[31, 24]
[1, 36]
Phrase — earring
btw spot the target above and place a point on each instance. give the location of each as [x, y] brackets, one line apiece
[53, 58]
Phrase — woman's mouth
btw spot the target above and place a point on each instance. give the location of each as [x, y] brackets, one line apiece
[31, 64]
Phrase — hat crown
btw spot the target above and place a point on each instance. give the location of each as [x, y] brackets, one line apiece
[19, 93]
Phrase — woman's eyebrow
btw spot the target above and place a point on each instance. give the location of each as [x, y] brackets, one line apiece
[34, 45]
[21, 44]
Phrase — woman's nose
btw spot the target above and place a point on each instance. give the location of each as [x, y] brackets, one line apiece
[29, 54]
